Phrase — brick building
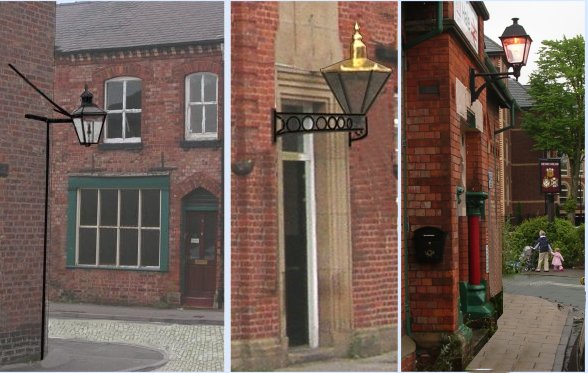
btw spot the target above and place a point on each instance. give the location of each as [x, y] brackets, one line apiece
[138, 219]
[453, 192]
[527, 199]
[313, 220]
[27, 34]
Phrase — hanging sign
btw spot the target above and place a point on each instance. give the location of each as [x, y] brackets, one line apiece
[550, 175]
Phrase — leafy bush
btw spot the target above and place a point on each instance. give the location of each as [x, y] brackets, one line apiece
[561, 233]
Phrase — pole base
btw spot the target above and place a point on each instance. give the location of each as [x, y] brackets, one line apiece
[473, 301]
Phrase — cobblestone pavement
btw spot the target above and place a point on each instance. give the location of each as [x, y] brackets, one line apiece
[189, 347]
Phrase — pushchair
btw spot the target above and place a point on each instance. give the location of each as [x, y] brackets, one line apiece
[526, 259]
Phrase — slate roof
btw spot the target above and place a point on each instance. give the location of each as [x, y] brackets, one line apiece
[87, 26]
[519, 93]
[490, 46]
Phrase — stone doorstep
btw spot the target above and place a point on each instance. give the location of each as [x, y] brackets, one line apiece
[305, 354]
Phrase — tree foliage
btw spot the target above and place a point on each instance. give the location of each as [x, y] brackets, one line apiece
[556, 121]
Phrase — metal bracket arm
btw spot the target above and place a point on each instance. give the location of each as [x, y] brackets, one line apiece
[288, 122]
[494, 77]
[58, 108]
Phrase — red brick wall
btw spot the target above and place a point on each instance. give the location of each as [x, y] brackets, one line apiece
[162, 129]
[27, 34]
[254, 217]
[373, 180]
[434, 163]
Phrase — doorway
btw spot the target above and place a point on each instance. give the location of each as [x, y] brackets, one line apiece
[299, 234]
[200, 247]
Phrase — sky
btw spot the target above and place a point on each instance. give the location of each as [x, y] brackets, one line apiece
[543, 20]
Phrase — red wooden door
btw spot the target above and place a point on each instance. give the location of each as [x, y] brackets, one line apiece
[200, 249]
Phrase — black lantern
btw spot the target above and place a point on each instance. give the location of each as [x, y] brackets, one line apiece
[516, 44]
[355, 83]
[88, 120]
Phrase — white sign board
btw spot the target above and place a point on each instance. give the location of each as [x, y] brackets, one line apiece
[467, 20]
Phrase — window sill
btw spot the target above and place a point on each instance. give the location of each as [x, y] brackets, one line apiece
[121, 146]
[136, 269]
[188, 144]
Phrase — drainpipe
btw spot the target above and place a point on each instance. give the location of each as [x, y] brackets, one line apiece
[406, 226]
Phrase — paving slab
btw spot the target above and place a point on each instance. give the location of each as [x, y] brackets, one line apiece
[381, 363]
[68, 355]
[535, 343]
[143, 314]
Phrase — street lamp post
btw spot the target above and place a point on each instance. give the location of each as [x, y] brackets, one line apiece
[516, 44]
[88, 121]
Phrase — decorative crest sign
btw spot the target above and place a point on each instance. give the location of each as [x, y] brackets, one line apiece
[550, 175]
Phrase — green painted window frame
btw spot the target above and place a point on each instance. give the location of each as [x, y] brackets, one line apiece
[126, 182]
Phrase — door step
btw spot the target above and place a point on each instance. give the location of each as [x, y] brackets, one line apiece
[198, 302]
[305, 354]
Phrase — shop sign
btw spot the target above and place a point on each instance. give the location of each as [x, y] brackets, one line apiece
[467, 20]
[550, 175]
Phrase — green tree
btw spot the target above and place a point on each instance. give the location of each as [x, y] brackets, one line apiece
[556, 121]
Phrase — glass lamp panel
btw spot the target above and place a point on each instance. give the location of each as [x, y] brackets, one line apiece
[114, 94]
[133, 94]
[515, 50]
[210, 124]
[334, 82]
[355, 86]
[92, 129]
[77, 121]
[377, 80]
[210, 87]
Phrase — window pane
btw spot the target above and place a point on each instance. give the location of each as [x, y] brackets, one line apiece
[133, 125]
[133, 94]
[107, 252]
[129, 207]
[150, 208]
[209, 87]
[128, 247]
[108, 207]
[150, 247]
[87, 246]
[114, 93]
[88, 206]
[211, 119]
[195, 88]
[113, 126]
[196, 118]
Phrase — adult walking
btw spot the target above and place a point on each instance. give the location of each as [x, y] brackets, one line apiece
[544, 250]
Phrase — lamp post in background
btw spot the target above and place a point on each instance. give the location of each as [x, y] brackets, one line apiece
[88, 122]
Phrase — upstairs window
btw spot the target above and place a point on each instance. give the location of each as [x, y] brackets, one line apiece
[201, 106]
[123, 104]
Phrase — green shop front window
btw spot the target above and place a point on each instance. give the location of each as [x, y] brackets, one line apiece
[118, 223]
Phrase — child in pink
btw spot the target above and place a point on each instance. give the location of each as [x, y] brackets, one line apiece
[557, 261]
